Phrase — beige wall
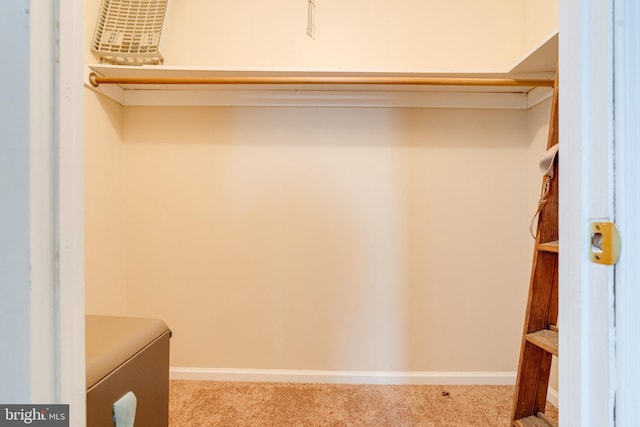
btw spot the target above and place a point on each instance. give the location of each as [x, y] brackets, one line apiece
[419, 35]
[105, 279]
[424, 35]
[105, 290]
[541, 21]
[339, 239]
[319, 238]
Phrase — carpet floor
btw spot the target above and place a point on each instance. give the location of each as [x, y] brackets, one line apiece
[212, 404]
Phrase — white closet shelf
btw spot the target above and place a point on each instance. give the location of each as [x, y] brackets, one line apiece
[161, 85]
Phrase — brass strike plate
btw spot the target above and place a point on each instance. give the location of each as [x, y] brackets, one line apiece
[605, 243]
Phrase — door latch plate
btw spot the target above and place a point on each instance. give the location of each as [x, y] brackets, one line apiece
[605, 243]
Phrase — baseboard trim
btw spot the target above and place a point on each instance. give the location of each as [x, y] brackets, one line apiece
[553, 397]
[342, 377]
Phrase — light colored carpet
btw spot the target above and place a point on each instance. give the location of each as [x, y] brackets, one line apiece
[208, 403]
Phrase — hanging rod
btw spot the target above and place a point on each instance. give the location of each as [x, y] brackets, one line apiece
[97, 80]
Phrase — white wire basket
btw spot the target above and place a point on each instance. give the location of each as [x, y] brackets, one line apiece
[129, 31]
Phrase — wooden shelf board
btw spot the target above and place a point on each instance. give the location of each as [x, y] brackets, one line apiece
[534, 421]
[549, 246]
[546, 339]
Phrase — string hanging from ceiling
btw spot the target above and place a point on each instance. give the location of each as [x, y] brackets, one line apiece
[311, 19]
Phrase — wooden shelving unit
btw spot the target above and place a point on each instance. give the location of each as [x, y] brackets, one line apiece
[540, 334]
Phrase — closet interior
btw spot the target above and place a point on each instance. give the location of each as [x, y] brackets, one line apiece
[355, 202]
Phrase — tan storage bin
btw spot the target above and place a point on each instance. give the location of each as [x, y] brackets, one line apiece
[127, 354]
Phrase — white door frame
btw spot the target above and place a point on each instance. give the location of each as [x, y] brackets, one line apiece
[70, 204]
[56, 205]
[627, 135]
[41, 243]
[587, 386]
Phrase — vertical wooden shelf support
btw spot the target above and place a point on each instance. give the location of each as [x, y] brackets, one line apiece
[540, 335]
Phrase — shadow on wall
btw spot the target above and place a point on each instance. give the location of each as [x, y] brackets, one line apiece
[325, 127]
